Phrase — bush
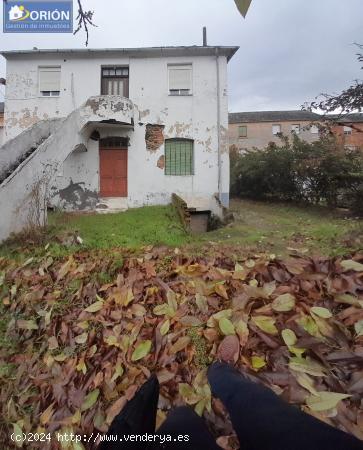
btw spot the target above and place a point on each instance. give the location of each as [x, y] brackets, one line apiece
[319, 172]
[264, 173]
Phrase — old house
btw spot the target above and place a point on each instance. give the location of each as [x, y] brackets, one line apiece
[249, 130]
[110, 129]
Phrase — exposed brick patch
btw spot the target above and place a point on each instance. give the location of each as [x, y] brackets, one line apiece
[154, 137]
[161, 162]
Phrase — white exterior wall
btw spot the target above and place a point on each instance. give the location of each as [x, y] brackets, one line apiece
[194, 117]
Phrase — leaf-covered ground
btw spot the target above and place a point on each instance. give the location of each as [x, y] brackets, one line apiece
[74, 345]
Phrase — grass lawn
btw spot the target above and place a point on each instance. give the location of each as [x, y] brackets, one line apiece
[258, 227]
[132, 229]
[152, 225]
[279, 227]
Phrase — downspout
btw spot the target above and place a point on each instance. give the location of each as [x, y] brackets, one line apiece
[72, 92]
[219, 125]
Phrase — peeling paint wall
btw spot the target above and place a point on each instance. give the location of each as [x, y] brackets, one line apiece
[158, 116]
[161, 162]
[76, 196]
[154, 137]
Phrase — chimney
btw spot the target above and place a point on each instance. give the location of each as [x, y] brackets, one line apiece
[205, 44]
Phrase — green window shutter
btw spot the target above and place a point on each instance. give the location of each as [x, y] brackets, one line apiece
[242, 131]
[179, 157]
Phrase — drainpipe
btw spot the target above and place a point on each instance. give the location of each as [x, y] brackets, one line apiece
[219, 125]
[72, 91]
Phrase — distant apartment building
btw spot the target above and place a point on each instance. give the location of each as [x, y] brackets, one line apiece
[349, 130]
[249, 130]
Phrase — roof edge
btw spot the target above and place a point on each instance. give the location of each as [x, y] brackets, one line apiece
[272, 116]
[228, 51]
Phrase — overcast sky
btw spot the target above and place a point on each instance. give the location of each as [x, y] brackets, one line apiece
[291, 50]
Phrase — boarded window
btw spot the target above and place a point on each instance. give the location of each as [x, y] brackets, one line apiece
[242, 131]
[115, 81]
[49, 81]
[276, 129]
[179, 157]
[180, 79]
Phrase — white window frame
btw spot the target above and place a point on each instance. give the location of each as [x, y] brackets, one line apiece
[314, 129]
[52, 93]
[295, 128]
[180, 92]
[273, 129]
[347, 130]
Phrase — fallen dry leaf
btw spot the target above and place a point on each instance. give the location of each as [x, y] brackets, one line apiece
[76, 358]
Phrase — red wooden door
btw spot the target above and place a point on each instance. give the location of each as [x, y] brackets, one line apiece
[113, 172]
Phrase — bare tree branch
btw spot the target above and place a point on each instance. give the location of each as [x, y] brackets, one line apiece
[84, 18]
[348, 101]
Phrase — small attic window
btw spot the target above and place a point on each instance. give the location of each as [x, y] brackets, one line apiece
[49, 81]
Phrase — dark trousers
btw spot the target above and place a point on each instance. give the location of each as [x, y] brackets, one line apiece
[260, 418]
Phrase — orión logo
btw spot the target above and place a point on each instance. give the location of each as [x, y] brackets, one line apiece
[17, 13]
[38, 16]
[20, 13]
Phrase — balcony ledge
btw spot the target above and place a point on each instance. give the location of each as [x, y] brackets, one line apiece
[111, 109]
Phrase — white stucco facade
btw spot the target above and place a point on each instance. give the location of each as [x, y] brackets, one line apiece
[201, 117]
[2, 138]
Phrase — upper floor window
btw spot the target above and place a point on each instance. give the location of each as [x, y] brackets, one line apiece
[314, 129]
[49, 81]
[295, 128]
[180, 79]
[242, 131]
[276, 129]
[179, 159]
[348, 130]
[115, 81]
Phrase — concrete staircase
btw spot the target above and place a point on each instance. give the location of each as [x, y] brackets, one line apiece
[29, 162]
[17, 150]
